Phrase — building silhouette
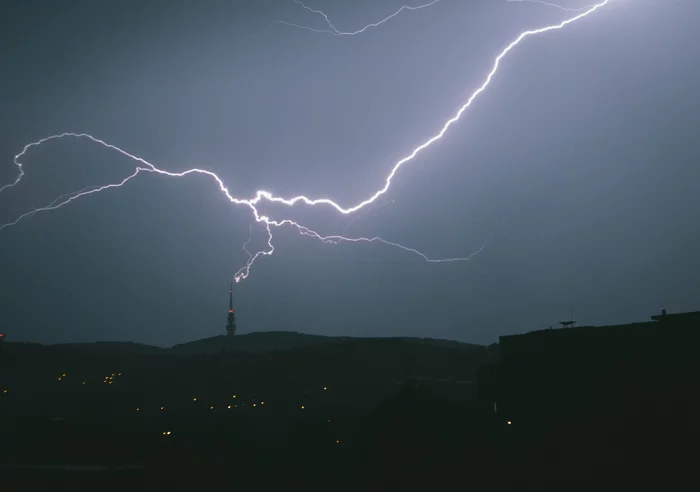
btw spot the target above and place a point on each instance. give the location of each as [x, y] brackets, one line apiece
[691, 317]
[231, 320]
[595, 372]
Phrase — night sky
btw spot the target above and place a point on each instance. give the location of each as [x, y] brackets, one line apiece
[580, 164]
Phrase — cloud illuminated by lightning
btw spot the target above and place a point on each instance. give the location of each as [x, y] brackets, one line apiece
[334, 31]
[145, 166]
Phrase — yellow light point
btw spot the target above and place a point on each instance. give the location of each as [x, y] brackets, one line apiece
[194, 399]
[337, 442]
[64, 374]
[234, 396]
[509, 422]
[119, 374]
[162, 408]
[262, 402]
[329, 420]
[229, 406]
[60, 379]
[211, 407]
[110, 382]
[138, 409]
[4, 391]
[112, 374]
[83, 382]
[324, 388]
[302, 407]
[254, 404]
[168, 432]
[163, 432]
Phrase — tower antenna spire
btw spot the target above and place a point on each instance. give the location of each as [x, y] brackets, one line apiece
[231, 320]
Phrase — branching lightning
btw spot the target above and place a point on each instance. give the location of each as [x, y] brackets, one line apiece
[143, 166]
[334, 31]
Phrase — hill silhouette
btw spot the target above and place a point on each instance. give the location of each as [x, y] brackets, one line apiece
[258, 342]
[284, 340]
[266, 341]
[113, 347]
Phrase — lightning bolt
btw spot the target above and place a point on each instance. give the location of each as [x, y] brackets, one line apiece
[333, 30]
[245, 244]
[549, 4]
[145, 166]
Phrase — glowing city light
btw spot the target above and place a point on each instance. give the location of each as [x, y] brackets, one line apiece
[143, 166]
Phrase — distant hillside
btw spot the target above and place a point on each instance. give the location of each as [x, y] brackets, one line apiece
[284, 368]
[285, 340]
[254, 343]
[112, 347]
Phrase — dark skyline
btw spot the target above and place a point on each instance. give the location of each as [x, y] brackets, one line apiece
[579, 163]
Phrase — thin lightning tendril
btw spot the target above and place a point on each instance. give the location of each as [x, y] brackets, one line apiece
[69, 194]
[334, 31]
[245, 244]
[145, 166]
[549, 4]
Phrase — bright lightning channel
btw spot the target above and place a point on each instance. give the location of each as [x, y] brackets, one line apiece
[260, 195]
[334, 31]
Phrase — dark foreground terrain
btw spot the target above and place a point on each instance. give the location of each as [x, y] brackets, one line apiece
[349, 414]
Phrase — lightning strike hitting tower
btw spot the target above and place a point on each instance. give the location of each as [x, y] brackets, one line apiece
[231, 321]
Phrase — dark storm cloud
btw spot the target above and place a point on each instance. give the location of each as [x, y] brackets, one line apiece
[580, 159]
